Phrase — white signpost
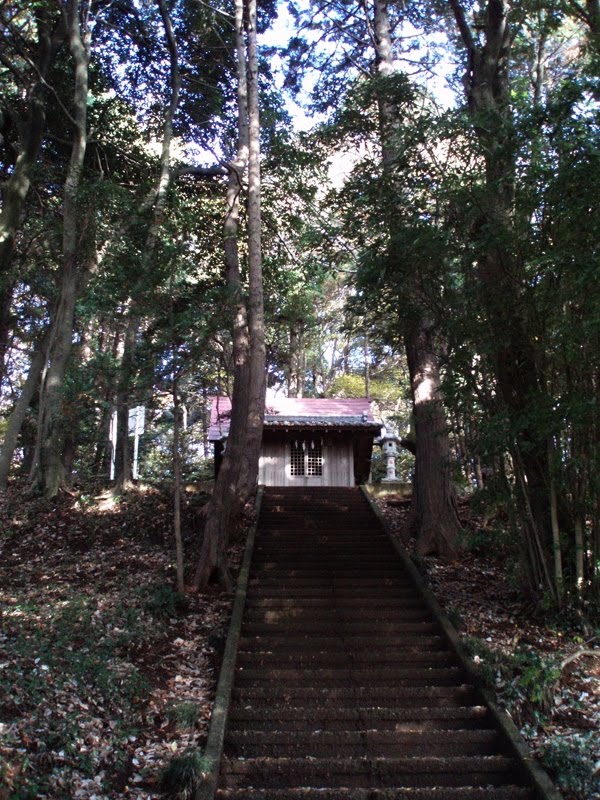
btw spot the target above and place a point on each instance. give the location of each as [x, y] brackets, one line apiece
[137, 419]
[135, 425]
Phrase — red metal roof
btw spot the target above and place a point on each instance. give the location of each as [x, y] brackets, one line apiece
[342, 411]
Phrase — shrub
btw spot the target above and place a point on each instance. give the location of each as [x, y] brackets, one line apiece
[164, 602]
[184, 715]
[182, 775]
[571, 765]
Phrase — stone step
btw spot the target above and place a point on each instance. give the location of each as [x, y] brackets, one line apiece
[508, 792]
[372, 773]
[336, 613]
[359, 717]
[419, 675]
[394, 696]
[337, 629]
[345, 686]
[358, 744]
[350, 644]
[347, 603]
[333, 658]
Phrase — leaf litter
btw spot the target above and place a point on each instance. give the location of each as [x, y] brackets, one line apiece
[106, 673]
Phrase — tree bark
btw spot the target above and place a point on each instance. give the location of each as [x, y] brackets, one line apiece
[49, 472]
[256, 314]
[226, 504]
[499, 271]
[16, 187]
[434, 517]
[239, 469]
[177, 488]
[157, 201]
[19, 412]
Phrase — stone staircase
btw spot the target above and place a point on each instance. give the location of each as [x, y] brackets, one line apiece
[345, 685]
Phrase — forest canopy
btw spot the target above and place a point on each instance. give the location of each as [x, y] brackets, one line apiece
[431, 240]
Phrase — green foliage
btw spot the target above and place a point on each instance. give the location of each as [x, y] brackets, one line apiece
[79, 644]
[184, 715]
[163, 601]
[485, 658]
[524, 679]
[182, 776]
[535, 678]
[570, 764]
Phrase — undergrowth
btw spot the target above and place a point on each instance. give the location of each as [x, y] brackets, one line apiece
[182, 776]
[524, 680]
[570, 764]
[82, 648]
[526, 683]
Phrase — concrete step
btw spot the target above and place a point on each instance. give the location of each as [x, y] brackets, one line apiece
[337, 612]
[509, 792]
[418, 675]
[334, 658]
[345, 686]
[372, 590]
[372, 772]
[347, 603]
[359, 717]
[391, 696]
[344, 644]
[340, 628]
[361, 744]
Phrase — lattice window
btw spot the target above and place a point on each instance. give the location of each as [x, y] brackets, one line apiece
[297, 458]
[314, 458]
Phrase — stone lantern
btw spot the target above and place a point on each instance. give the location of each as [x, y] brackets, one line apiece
[389, 445]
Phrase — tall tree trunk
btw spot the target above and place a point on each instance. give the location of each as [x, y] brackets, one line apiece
[50, 476]
[434, 517]
[16, 187]
[19, 412]
[499, 270]
[237, 476]
[157, 201]
[256, 314]
[226, 503]
[177, 486]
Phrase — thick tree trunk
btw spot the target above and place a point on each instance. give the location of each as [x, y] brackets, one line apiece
[434, 517]
[19, 412]
[487, 89]
[227, 501]
[16, 187]
[238, 473]
[50, 473]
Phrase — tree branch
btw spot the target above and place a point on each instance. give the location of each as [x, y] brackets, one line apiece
[463, 26]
